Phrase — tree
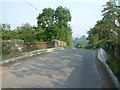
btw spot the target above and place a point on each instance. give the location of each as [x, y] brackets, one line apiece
[39, 35]
[109, 18]
[118, 19]
[55, 24]
[62, 15]
[80, 42]
[6, 33]
[46, 18]
[25, 32]
[105, 28]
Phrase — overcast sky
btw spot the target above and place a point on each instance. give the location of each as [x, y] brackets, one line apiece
[84, 13]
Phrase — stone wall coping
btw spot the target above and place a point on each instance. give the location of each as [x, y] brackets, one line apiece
[31, 54]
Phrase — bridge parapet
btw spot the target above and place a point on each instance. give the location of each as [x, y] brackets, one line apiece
[102, 56]
[31, 54]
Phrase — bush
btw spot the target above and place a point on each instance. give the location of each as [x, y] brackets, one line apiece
[99, 44]
[50, 47]
[114, 65]
[9, 52]
[29, 48]
[6, 49]
[89, 46]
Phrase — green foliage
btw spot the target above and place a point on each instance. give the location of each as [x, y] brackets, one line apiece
[46, 18]
[105, 29]
[8, 51]
[6, 33]
[118, 14]
[114, 64]
[98, 44]
[80, 42]
[101, 44]
[25, 32]
[55, 25]
[89, 46]
[51, 25]
[29, 48]
[79, 45]
[62, 15]
[39, 35]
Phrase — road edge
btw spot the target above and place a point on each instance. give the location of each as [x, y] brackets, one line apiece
[102, 56]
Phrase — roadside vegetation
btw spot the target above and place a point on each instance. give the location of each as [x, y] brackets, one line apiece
[52, 24]
[114, 65]
[105, 29]
[8, 52]
[106, 34]
[0, 56]
[80, 42]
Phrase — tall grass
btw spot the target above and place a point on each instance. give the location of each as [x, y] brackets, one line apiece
[114, 65]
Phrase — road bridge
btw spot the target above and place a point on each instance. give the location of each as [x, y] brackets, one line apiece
[77, 68]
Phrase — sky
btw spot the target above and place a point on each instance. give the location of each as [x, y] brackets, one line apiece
[84, 13]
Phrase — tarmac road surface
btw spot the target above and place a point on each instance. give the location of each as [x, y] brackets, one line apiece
[78, 68]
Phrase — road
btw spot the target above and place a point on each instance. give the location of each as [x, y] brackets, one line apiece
[78, 68]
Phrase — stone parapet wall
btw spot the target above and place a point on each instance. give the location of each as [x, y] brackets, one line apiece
[30, 54]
